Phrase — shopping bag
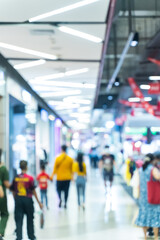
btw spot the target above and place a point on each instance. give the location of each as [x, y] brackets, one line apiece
[153, 190]
[42, 219]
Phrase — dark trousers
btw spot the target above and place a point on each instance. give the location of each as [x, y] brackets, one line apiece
[24, 205]
[63, 186]
[3, 215]
[44, 196]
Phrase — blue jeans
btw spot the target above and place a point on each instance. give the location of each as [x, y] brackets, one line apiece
[81, 184]
[44, 196]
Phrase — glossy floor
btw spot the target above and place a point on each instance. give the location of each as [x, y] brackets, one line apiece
[107, 216]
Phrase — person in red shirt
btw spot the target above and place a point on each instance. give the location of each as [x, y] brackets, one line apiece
[43, 178]
[23, 189]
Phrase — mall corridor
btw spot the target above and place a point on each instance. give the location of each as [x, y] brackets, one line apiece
[107, 216]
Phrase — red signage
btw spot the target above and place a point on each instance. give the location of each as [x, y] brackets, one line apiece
[154, 88]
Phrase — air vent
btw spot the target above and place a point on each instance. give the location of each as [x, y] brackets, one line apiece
[42, 32]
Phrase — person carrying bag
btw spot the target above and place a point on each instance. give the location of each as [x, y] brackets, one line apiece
[149, 214]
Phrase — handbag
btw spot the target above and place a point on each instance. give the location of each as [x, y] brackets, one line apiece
[153, 190]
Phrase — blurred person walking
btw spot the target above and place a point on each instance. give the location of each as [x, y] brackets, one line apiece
[149, 214]
[63, 171]
[106, 164]
[43, 178]
[4, 179]
[23, 188]
[79, 168]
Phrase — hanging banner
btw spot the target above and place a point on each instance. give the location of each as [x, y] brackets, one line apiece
[154, 88]
[131, 104]
[139, 94]
[154, 61]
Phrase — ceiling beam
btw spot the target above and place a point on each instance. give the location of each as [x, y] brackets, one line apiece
[54, 60]
[55, 23]
[111, 11]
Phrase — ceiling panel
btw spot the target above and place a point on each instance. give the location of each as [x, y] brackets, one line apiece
[23, 10]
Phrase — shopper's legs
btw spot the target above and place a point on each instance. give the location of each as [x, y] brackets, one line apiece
[145, 232]
[46, 198]
[66, 191]
[29, 210]
[41, 191]
[3, 215]
[155, 230]
[83, 192]
[78, 194]
[59, 190]
[111, 178]
[19, 213]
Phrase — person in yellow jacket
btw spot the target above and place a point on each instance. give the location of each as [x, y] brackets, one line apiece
[79, 168]
[63, 170]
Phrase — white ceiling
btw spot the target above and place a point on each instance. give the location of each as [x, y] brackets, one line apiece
[49, 39]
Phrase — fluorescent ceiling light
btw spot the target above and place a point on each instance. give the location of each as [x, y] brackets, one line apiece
[62, 10]
[154, 78]
[80, 115]
[84, 109]
[148, 99]
[60, 75]
[29, 64]
[47, 89]
[75, 72]
[71, 106]
[110, 124]
[136, 99]
[76, 100]
[80, 34]
[27, 51]
[62, 84]
[59, 94]
[145, 87]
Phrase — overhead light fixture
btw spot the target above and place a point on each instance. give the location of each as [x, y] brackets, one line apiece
[47, 89]
[27, 51]
[70, 106]
[80, 34]
[60, 75]
[80, 115]
[62, 84]
[76, 100]
[135, 40]
[59, 94]
[51, 117]
[154, 78]
[110, 98]
[84, 109]
[29, 64]
[136, 99]
[62, 10]
[148, 99]
[145, 87]
[117, 83]
[110, 124]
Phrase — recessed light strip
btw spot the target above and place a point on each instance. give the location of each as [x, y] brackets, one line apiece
[59, 94]
[154, 78]
[62, 10]
[62, 84]
[80, 34]
[29, 64]
[27, 51]
[61, 75]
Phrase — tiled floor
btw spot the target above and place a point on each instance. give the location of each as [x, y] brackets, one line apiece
[107, 216]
